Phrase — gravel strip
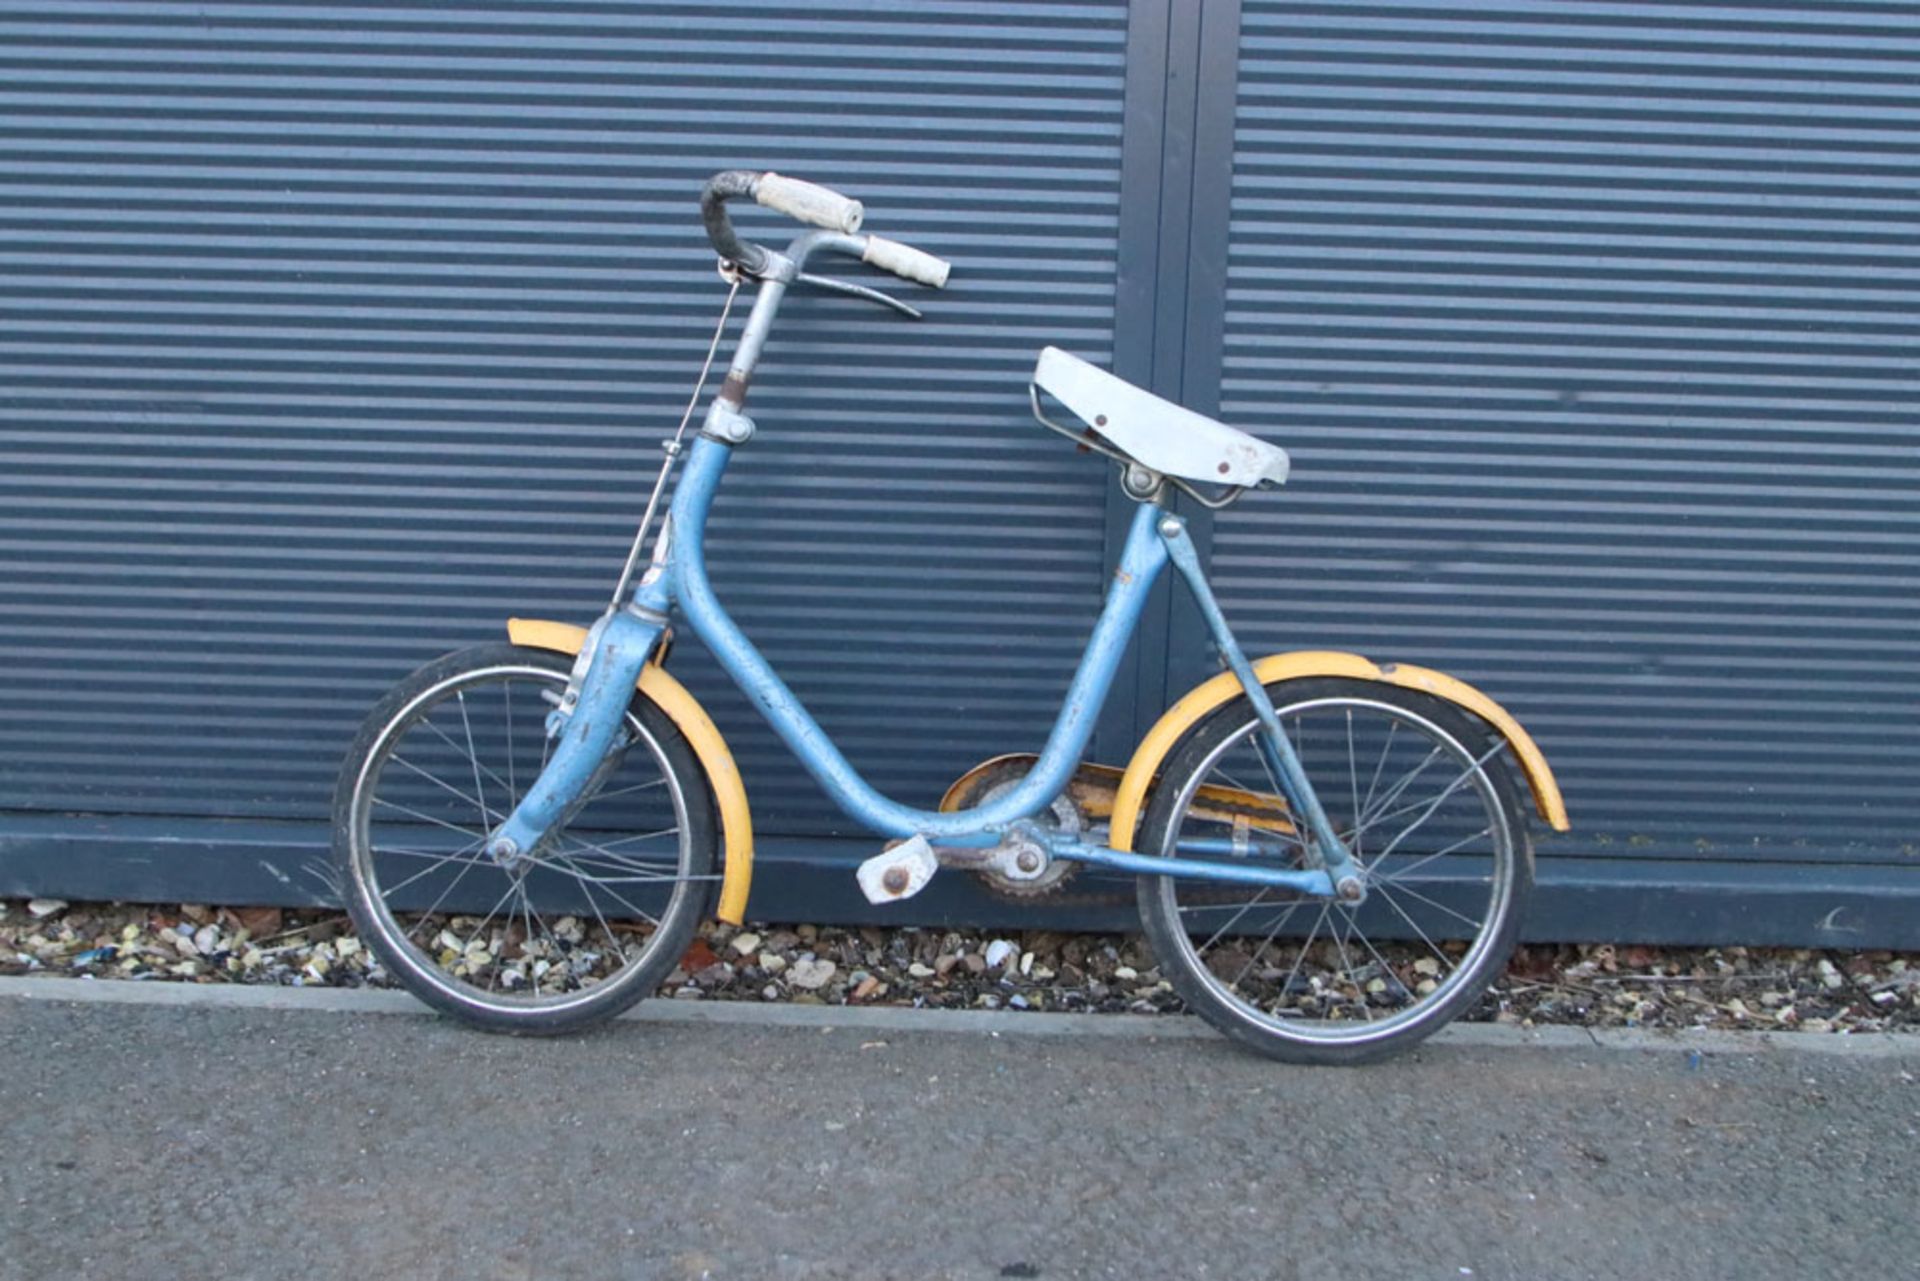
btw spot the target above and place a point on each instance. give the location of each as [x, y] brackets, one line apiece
[1776, 989]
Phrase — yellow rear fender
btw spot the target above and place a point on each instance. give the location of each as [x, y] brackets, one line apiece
[729, 792]
[1222, 689]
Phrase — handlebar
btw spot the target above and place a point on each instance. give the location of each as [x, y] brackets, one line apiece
[812, 204]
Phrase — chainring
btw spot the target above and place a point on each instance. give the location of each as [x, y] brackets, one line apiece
[1061, 816]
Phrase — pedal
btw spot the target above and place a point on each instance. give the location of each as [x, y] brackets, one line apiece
[898, 873]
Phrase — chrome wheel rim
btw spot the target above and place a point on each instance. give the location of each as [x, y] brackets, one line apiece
[1425, 821]
[569, 927]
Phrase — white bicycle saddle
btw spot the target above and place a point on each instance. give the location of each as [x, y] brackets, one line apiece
[1156, 433]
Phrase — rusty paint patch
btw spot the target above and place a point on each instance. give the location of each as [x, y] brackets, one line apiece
[734, 390]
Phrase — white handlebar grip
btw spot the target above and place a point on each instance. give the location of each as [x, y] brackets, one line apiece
[906, 262]
[809, 202]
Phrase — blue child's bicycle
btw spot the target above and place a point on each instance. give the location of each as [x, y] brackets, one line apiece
[1332, 857]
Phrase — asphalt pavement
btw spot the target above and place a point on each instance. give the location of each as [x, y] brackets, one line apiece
[213, 1140]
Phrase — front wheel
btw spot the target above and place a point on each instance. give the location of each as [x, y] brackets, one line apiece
[599, 913]
[1417, 791]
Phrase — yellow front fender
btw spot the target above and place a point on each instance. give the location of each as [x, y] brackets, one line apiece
[729, 792]
[1185, 714]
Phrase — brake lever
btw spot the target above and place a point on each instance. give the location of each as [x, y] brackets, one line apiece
[858, 291]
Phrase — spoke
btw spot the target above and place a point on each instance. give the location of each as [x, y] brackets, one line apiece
[1432, 809]
[606, 847]
[1299, 960]
[1399, 789]
[1353, 778]
[1415, 925]
[428, 818]
[1384, 963]
[1386, 749]
[448, 740]
[451, 886]
[533, 917]
[575, 862]
[513, 791]
[1234, 782]
[630, 858]
[1439, 906]
[1346, 961]
[636, 787]
[584, 851]
[436, 780]
[439, 861]
[471, 847]
[486, 820]
[1475, 768]
[1233, 920]
[630, 905]
[1273, 933]
[1428, 858]
[617, 948]
[468, 943]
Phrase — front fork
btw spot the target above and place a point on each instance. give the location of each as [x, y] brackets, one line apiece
[587, 726]
[1325, 850]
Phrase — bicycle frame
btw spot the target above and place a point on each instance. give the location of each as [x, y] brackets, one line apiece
[588, 722]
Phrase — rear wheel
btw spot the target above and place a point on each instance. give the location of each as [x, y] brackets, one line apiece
[600, 913]
[1417, 791]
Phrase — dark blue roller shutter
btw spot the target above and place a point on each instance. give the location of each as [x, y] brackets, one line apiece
[332, 334]
[1592, 329]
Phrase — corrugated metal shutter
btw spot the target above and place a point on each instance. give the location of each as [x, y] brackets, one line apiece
[1592, 329]
[331, 334]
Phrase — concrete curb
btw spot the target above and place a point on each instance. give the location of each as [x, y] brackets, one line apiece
[903, 1020]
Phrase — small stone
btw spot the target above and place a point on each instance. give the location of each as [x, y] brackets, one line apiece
[1017, 1001]
[207, 939]
[811, 973]
[974, 962]
[772, 962]
[745, 944]
[999, 952]
[919, 971]
[41, 908]
[868, 987]
[944, 965]
[807, 933]
[771, 992]
[1126, 973]
[1427, 965]
[713, 975]
[1026, 963]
